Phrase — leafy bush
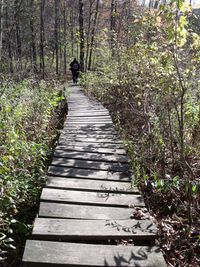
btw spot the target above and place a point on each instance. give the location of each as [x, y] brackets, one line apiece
[26, 109]
[152, 91]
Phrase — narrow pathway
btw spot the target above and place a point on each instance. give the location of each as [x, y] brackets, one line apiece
[89, 213]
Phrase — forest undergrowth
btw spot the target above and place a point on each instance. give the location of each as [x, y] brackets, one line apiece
[31, 112]
[152, 92]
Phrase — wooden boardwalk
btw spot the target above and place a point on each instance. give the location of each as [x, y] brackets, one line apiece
[89, 213]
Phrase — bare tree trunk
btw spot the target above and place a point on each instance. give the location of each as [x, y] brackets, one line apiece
[113, 25]
[65, 40]
[17, 5]
[9, 43]
[72, 30]
[1, 26]
[33, 45]
[60, 33]
[42, 61]
[56, 35]
[92, 35]
[88, 33]
[82, 40]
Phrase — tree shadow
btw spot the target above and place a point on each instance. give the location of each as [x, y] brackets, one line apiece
[138, 257]
[140, 225]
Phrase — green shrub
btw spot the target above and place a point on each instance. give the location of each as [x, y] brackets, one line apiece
[26, 109]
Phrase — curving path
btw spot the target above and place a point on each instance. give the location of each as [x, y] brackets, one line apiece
[89, 213]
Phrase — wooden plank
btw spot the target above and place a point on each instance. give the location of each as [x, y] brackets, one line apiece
[91, 198]
[109, 151]
[71, 211]
[90, 164]
[90, 156]
[91, 127]
[90, 130]
[109, 123]
[48, 253]
[90, 144]
[88, 114]
[86, 108]
[108, 134]
[74, 114]
[88, 185]
[97, 135]
[92, 174]
[86, 118]
[90, 140]
[91, 230]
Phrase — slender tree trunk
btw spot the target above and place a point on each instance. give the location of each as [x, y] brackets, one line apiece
[92, 35]
[17, 5]
[88, 33]
[60, 34]
[150, 4]
[42, 61]
[65, 39]
[113, 25]
[9, 43]
[56, 36]
[33, 45]
[128, 23]
[81, 30]
[72, 30]
[1, 26]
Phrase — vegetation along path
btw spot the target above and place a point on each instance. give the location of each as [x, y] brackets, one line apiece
[88, 209]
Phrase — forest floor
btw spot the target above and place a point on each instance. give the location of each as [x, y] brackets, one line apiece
[178, 238]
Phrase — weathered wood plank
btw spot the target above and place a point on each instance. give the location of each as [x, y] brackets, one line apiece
[94, 127]
[86, 109]
[90, 156]
[90, 140]
[71, 211]
[89, 123]
[93, 174]
[96, 135]
[90, 144]
[90, 130]
[79, 148]
[88, 185]
[91, 198]
[98, 115]
[88, 230]
[86, 118]
[92, 133]
[89, 120]
[74, 114]
[90, 164]
[47, 253]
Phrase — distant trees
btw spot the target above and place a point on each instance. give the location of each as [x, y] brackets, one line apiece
[42, 36]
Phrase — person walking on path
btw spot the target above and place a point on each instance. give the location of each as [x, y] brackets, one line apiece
[75, 67]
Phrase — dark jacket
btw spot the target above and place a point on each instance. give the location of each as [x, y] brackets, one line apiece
[74, 65]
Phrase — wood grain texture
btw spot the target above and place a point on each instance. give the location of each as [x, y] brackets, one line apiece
[91, 198]
[90, 140]
[90, 156]
[90, 164]
[90, 144]
[46, 253]
[90, 185]
[110, 151]
[85, 173]
[87, 230]
[85, 212]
